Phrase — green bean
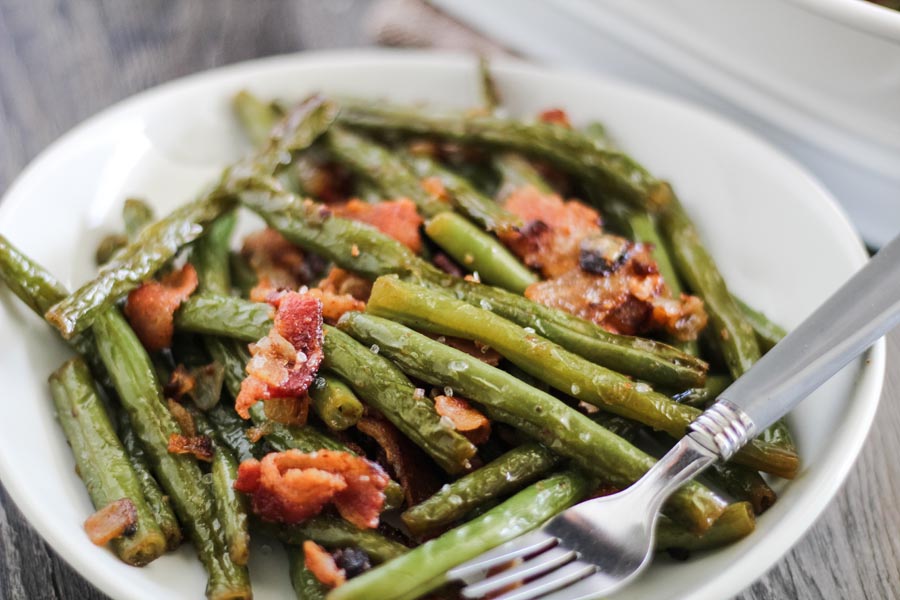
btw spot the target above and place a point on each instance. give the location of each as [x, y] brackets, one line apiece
[305, 584]
[209, 256]
[383, 168]
[256, 117]
[304, 438]
[334, 532]
[467, 199]
[509, 400]
[743, 484]
[136, 215]
[612, 172]
[384, 387]
[732, 332]
[133, 264]
[701, 397]
[425, 568]
[224, 316]
[231, 505]
[108, 247]
[133, 377]
[233, 432]
[736, 522]
[29, 281]
[157, 501]
[335, 403]
[516, 172]
[639, 357]
[243, 277]
[159, 243]
[101, 460]
[508, 473]
[767, 332]
[422, 308]
[313, 228]
[477, 251]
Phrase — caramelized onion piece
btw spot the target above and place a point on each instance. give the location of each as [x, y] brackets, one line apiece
[466, 420]
[114, 520]
[322, 565]
[199, 446]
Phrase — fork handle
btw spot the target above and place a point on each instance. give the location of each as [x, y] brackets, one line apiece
[851, 320]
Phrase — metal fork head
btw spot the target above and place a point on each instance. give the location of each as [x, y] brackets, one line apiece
[591, 549]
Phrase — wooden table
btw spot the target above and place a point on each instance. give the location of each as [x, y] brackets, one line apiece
[61, 61]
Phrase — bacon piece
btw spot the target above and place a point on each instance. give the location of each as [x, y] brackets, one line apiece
[289, 487]
[339, 281]
[335, 305]
[150, 309]
[553, 230]
[286, 361]
[555, 116]
[631, 300]
[278, 263]
[396, 218]
[199, 446]
[405, 459]
[466, 420]
[114, 520]
[322, 565]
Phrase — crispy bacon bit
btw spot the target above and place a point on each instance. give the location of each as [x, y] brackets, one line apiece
[555, 116]
[630, 301]
[396, 218]
[199, 446]
[406, 460]
[289, 487]
[466, 420]
[335, 305]
[322, 565]
[151, 308]
[116, 519]
[184, 418]
[553, 230]
[339, 281]
[286, 361]
[435, 187]
[278, 264]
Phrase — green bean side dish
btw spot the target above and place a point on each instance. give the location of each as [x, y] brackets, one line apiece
[490, 353]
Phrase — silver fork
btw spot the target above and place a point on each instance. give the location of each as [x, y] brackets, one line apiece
[598, 546]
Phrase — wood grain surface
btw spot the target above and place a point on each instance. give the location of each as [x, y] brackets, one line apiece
[63, 60]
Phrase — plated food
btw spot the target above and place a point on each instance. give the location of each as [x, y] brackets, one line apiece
[347, 389]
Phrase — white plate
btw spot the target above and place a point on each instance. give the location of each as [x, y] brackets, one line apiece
[778, 236]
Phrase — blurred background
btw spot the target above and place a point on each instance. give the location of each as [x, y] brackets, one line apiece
[818, 78]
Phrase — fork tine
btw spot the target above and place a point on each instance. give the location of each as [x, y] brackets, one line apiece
[540, 564]
[597, 585]
[560, 578]
[530, 543]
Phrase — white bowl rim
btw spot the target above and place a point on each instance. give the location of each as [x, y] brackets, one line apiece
[869, 385]
[860, 15]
